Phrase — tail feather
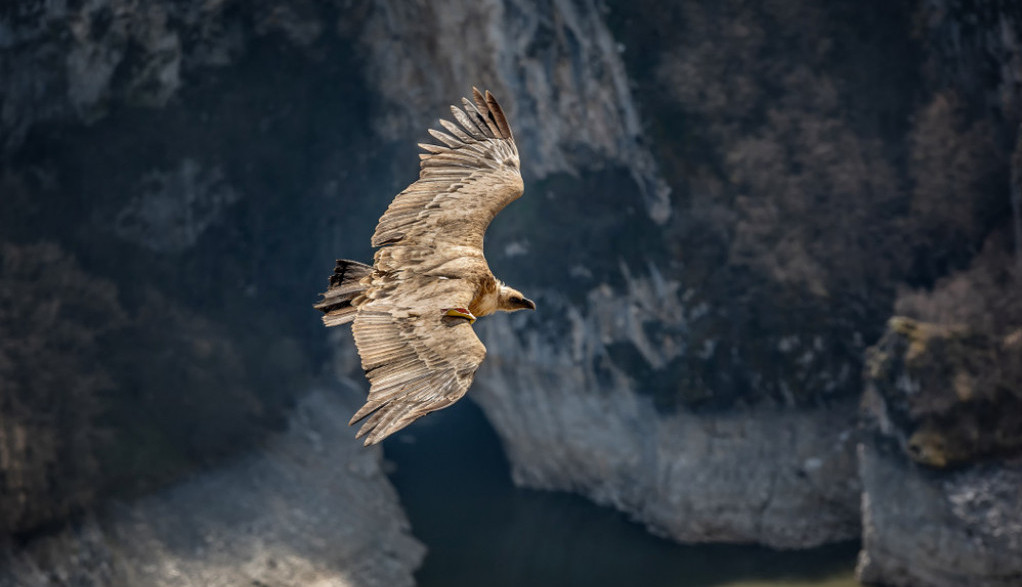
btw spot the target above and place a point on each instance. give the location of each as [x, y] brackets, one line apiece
[345, 285]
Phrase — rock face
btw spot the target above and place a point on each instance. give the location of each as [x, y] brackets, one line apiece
[940, 460]
[70, 61]
[128, 160]
[75, 61]
[725, 203]
[769, 295]
[312, 508]
[941, 466]
[944, 529]
[173, 208]
[555, 65]
[573, 417]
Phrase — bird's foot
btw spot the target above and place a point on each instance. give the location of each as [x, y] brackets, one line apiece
[461, 313]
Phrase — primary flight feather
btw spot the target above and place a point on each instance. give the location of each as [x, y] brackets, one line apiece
[413, 310]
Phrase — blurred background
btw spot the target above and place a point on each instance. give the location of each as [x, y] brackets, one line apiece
[776, 248]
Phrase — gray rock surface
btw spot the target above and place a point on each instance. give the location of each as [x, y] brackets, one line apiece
[572, 419]
[174, 207]
[939, 461]
[60, 59]
[554, 65]
[722, 411]
[71, 61]
[940, 529]
[311, 508]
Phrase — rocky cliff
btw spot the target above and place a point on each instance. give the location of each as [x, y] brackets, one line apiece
[940, 465]
[920, 527]
[555, 65]
[725, 203]
[312, 508]
[808, 205]
[156, 197]
[575, 414]
[650, 381]
[940, 460]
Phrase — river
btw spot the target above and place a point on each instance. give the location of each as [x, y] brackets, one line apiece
[455, 485]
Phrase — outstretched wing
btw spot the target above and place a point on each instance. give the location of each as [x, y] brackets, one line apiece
[417, 359]
[462, 184]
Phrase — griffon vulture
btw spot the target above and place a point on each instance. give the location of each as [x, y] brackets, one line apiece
[413, 310]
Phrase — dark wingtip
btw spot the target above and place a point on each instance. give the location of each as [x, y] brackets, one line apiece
[480, 102]
[492, 114]
[498, 115]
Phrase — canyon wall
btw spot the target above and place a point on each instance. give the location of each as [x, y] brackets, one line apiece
[725, 204]
[312, 508]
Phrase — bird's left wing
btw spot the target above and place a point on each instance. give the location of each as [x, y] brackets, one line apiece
[417, 358]
[462, 183]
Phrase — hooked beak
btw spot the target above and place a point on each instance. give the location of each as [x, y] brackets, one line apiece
[529, 303]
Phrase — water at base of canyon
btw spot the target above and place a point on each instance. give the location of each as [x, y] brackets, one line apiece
[454, 482]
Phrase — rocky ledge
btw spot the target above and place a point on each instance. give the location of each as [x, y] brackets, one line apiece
[311, 508]
[941, 463]
[572, 417]
[939, 528]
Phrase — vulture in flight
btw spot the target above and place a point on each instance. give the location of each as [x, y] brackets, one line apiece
[413, 309]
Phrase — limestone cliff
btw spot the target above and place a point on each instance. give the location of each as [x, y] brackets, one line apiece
[946, 529]
[555, 65]
[576, 412]
[312, 507]
[940, 463]
[153, 336]
[725, 203]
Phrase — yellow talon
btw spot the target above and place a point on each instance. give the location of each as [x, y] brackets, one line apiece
[461, 313]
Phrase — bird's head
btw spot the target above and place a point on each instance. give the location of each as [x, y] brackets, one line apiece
[510, 299]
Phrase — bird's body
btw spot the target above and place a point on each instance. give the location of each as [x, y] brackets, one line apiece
[413, 309]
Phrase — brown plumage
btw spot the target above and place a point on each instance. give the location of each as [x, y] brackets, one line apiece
[413, 310]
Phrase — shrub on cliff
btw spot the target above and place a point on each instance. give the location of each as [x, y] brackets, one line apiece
[100, 396]
[54, 323]
[949, 395]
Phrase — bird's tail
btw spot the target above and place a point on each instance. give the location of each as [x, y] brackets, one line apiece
[345, 285]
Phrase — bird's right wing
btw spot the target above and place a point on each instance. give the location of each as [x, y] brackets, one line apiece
[462, 183]
[416, 358]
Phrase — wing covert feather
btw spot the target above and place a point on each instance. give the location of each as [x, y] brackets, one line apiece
[463, 182]
[416, 360]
